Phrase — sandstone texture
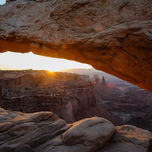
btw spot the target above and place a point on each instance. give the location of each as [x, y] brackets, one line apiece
[113, 36]
[44, 132]
[129, 139]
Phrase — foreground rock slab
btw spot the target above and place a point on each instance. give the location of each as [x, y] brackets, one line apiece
[128, 138]
[44, 132]
[113, 36]
[86, 135]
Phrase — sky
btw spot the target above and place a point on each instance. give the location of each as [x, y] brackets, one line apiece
[17, 61]
[2, 1]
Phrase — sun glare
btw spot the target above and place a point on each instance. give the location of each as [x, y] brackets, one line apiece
[18, 61]
[52, 73]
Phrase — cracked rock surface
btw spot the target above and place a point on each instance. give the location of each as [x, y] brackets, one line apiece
[45, 132]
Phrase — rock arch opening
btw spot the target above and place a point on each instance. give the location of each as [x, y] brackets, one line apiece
[119, 45]
[71, 90]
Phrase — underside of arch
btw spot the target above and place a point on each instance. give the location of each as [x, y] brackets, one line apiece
[112, 36]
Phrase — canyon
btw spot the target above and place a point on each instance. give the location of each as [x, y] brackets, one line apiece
[73, 96]
[131, 103]
[123, 100]
[70, 96]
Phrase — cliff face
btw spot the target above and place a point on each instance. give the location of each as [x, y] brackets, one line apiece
[68, 107]
[113, 36]
[67, 95]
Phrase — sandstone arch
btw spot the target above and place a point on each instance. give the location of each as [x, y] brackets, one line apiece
[112, 35]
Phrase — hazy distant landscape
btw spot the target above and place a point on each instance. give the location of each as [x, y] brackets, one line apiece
[76, 94]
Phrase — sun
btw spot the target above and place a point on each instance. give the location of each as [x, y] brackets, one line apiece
[51, 72]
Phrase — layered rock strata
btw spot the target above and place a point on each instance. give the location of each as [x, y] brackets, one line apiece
[69, 96]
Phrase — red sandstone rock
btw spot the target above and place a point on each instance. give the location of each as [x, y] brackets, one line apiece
[113, 36]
